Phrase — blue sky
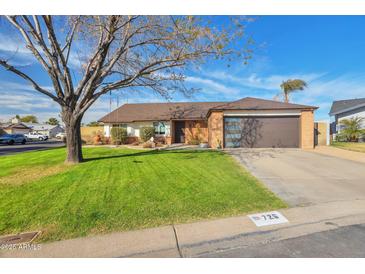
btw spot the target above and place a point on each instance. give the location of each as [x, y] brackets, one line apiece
[326, 51]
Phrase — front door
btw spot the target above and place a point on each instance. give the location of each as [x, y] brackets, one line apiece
[179, 132]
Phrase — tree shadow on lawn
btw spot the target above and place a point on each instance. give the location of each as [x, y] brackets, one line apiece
[190, 154]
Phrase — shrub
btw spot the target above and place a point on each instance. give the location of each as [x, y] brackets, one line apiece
[97, 139]
[194, 142]
[146, 133]
[352, 128]
[340, 138]
[147, 145]
[105, 140]
[219, 145]
[119, 135]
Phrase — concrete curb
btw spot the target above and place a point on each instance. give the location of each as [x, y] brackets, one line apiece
[199, 238]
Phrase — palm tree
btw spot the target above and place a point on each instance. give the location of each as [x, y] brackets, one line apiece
[352, 128]
[290, 86]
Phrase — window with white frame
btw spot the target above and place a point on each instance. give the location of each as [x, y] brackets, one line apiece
[120, 125]
[160, 127]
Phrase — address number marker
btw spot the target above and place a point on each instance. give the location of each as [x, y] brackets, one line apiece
[268, 218]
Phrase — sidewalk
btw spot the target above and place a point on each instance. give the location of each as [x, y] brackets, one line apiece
[341, 153]
[205, 237]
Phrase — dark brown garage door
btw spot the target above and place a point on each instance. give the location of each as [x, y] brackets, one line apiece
[256, 132]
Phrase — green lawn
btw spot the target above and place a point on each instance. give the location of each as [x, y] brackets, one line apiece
[359, 147]
[122, 189]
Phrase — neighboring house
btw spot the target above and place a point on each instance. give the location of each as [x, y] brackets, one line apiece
[249, 122]
[45, 129]
[345, 109]
[19, 128]
[15, 120]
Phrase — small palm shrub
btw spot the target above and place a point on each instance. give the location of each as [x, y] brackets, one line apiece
[146, 133]
[352, 129]
[119, 135]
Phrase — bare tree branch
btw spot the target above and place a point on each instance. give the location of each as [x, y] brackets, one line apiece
[39, 39]
[118, 52]
[31, 81]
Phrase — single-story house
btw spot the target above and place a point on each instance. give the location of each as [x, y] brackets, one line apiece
[248, 122]
[45, 129]
[346, 109]
[19, 128]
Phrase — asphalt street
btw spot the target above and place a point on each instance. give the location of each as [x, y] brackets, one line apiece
[343, 242]
[12, 149]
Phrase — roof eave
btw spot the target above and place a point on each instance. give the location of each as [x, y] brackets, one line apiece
[346, 109]
[151, 120]
[223, 109]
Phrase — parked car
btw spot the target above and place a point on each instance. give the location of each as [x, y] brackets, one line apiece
[11, 139]
[36, 136]
[61, 135]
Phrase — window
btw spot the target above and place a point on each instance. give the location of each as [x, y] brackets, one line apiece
[159, 127]
[120, 125]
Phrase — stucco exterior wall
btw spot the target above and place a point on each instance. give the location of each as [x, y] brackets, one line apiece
[322, 132]
[306, 136]
[133, 129]
[17, 131]
[215, 129]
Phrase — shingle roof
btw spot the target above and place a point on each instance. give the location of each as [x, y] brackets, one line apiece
[36, 126]
[344, 105]
[188, 110]
[18, 126]
[159, 111]
[249, 103]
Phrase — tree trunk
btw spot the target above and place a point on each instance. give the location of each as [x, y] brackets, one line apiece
[73, 137]
[286, 97]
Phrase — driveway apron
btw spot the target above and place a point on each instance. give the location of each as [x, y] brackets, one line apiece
[303, 177]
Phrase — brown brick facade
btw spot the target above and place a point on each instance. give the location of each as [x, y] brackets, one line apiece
[215, 129]
[306, 136]
[197, 129]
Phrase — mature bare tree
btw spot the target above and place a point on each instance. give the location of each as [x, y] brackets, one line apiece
[118, 52]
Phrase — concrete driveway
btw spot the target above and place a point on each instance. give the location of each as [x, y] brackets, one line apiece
[302, 177]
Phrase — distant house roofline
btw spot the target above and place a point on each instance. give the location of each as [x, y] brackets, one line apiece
[18, 125]
[41, 126]
[342, 106]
